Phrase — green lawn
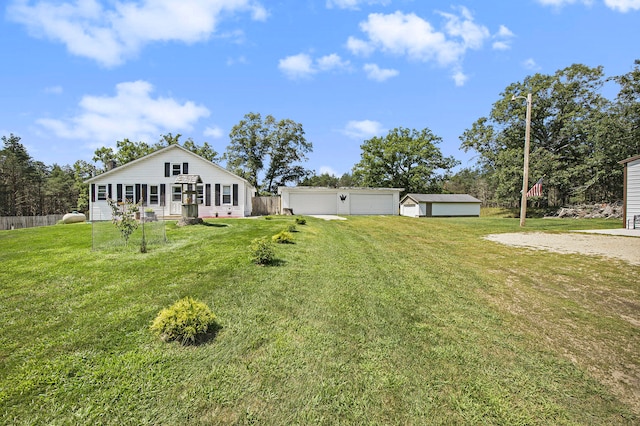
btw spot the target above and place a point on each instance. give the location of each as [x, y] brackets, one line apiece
[372, 320]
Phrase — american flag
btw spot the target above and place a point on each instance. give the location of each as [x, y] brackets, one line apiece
[536, 190]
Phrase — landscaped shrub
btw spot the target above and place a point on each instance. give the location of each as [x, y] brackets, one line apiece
[187, 321]
[301, 221]
[283, 237]
[261, 251]
[291, 228]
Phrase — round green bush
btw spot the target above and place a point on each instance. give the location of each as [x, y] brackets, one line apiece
[261, 251]
[301, 221]
[283, 237]
[186, 321]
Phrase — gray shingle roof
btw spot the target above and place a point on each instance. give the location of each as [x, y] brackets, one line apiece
[442, 198]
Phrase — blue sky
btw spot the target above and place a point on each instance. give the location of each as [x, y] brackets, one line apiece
[81, 74]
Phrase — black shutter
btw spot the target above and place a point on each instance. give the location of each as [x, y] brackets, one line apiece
[207, 194]
[235, 194]
[138, 193]
[185, 168]
[109, 192]
[119, 192]
[93, 192]
[144, 194]
[217, 196]
[162, 194]
[167, 169]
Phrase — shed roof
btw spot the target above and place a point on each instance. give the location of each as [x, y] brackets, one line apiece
[630, 159]
[193, 179]
[441, 198]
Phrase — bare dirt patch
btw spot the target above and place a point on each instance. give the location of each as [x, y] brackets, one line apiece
[623, 248]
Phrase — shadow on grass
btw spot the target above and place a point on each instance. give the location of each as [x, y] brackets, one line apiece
[216, 225]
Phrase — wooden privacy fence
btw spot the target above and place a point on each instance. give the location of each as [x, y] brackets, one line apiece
[261, 206]
[16, 222]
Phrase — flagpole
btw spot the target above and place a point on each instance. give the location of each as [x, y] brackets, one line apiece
[525, 172]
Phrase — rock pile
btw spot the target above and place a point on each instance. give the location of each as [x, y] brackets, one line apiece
[591, 211]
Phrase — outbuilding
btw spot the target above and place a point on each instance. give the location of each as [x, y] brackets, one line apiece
[631, 210]
[167, 179]
[432, 205]
[308, 200]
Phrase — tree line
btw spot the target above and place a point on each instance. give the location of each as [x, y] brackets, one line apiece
[577, 138]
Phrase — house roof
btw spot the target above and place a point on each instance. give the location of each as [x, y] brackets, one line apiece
[630, 159]
[158, 152]
[441, 198]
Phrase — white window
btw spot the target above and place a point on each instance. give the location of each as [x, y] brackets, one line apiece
[153, 194]
[200, 195]
[176, 169]
[102, 192]
[128, 193]
[176, 193]
[226, 194]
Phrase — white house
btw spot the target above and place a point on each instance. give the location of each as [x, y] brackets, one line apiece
[339, 201]
[631, 191]
[431, 205]
[154, 180]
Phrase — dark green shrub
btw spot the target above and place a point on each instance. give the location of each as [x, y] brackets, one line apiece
[186, 321]
[283, 237]
[261, 251]
[291, 228]
[268, 218]
[301, 221]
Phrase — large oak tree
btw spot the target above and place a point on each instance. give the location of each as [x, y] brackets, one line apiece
[268, 152]
[404, 158]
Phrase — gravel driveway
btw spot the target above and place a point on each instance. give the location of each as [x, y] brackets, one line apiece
[623, 248]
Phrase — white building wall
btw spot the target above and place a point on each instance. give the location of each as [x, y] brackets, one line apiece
[455, 209]
[633, 188]
[150, 171]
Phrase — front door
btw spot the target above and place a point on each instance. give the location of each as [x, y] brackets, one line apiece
[176, 200]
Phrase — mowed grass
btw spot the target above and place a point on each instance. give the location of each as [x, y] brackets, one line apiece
[372, 320]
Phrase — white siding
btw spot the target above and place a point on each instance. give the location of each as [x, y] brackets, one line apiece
[150, 171]
[313, 203]
[374, 204]
[455, 209]
[633, 189]
[343, 201]
[410, 209]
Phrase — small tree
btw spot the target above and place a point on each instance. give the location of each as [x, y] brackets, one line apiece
[123, 217]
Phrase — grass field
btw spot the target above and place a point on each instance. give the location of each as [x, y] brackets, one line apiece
[372, 320]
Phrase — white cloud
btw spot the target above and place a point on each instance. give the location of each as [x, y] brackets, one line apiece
[374, 72]
[619, 5]
[214, 132]
[623, 5]
[331, 62]
[111, 35]
[502, 39]
[363, 129]
[459, 78]
[531, 64]
[303, 65]
[353, 4]
[412, 36]
[297, 66]
[359, 47]
[132, 113]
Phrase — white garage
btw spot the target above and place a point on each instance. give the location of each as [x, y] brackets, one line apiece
[307, 200]
[432, 205]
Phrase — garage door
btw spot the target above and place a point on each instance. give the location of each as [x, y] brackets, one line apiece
[313, 203]
[372, 204]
